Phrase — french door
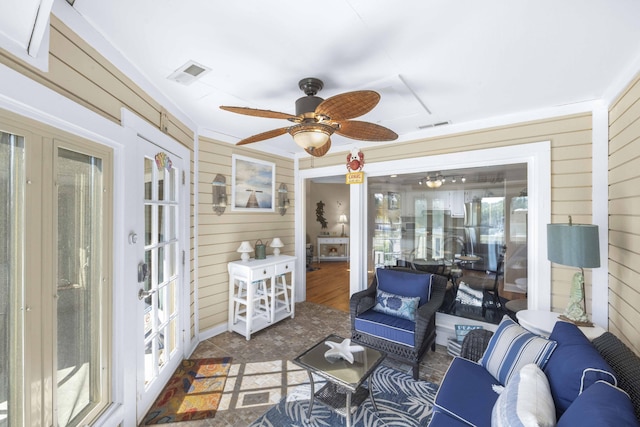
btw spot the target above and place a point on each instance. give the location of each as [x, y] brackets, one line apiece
[55, 276]
[159, 239]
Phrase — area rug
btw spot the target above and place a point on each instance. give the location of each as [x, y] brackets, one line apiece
[193, 392]
[401, 401]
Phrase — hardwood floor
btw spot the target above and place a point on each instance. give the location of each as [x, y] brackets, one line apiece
[329, 285]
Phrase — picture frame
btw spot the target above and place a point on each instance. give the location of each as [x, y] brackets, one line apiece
[253, 184]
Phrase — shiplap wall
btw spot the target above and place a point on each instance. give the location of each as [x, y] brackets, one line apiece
[220, 236]
[78, 72]
[570, 138]
[624, 216]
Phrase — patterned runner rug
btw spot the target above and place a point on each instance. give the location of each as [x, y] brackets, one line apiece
[401, 401]
[192, 393]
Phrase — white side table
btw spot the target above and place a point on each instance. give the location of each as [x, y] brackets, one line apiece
[541, 322]
[332, 241]
[248, 272]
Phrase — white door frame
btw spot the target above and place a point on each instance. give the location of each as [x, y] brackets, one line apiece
[139, 128]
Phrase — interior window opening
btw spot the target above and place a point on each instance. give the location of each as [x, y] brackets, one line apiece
[469, 225]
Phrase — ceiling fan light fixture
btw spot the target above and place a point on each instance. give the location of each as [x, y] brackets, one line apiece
[311, 135]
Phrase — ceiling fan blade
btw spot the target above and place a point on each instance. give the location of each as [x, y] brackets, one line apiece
[264, 135]
[348, 105]
[260, 113]
[320, 151]
[365, 131]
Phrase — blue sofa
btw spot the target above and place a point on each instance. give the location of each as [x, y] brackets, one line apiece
[563, 380]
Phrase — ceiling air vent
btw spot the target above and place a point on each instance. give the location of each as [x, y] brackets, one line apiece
[433, 125]
[188, 73]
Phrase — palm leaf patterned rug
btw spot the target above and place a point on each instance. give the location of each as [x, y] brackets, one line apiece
[401, 401]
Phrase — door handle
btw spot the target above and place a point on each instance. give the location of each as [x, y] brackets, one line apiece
[142, 294]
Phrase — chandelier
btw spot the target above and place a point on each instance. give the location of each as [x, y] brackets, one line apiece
[437, 180]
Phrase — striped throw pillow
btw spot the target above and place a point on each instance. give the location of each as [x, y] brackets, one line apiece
[511, 347]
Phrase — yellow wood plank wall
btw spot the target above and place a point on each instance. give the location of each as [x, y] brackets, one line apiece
[624, 216]
[220, 235]
[78, 72]
[570, 137]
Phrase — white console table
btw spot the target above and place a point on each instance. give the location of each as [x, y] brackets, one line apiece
[333, 241]
[245, 273]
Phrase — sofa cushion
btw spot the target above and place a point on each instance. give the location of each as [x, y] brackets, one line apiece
[525, 401]
[392, 328]
[441, 419]
[396, 305]
[405, 283]
[466, 393]
[600, 405]
[511, 347]
[574, 366]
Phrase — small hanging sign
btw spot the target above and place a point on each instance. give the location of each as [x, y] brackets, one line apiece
[354, 178]
[163, 161]
[355, 163]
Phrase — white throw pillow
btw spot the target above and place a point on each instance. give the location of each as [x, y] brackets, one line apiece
[525, 401]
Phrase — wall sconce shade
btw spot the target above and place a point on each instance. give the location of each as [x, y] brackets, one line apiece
[575, 245]
[219, 194]
[276, 244]
[245, 248]
[283, 199]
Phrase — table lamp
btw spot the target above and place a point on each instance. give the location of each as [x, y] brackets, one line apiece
[276, 244]
[575, 245]
[342, 220]
[244, 249]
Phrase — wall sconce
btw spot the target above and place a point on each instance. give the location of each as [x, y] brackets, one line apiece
[283, 199]
[219, 194]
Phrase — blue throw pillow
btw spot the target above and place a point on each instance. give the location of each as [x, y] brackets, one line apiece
[574, 366]
[405, 283]
[602, 404]
[511, 347]
[396, 305]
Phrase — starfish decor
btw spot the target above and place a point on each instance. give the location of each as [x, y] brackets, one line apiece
[342, 350]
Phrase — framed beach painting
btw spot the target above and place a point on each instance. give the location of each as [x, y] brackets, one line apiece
[252, 185]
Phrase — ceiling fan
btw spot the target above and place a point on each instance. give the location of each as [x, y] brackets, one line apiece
[316, 119]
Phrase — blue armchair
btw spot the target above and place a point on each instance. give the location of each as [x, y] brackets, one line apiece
[396, 313]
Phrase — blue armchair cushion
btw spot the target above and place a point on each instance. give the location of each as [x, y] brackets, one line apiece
[575, 365]
[602, 404]
[511, 347]
[405, 283]
[396, 305]
[392, 328]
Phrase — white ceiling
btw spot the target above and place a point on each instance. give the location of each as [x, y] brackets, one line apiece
[431, 60]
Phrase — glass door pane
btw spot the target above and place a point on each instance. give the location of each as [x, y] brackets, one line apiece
[79, 272]
[161, 255]
[12, 177]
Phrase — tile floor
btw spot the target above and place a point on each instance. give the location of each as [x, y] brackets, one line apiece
[262, 371]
